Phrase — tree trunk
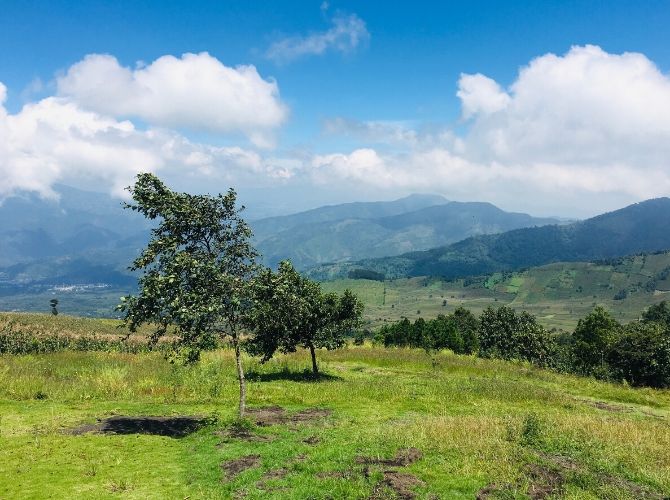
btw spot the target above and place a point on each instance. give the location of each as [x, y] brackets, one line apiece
[240, 375]
[315, 368]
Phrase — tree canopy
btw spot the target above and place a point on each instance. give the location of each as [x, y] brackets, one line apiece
[292, 311]
[196, 270]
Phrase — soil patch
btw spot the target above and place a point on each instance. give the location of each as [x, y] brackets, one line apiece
[266, 416]
[274, 415]
[400, 483]
[271, 475]
[175, 427]
[242, 434]
[312, 440]
[232, 468]
[487, 491]
[544, 481]
[403, 458]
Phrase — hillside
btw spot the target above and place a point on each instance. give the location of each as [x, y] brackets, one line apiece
[642, 227]
[366, 230]
[380, 423]
[559, 294]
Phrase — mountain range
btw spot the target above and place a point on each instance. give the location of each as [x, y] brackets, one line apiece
[639, 228]
[362, 230]
[87, 237]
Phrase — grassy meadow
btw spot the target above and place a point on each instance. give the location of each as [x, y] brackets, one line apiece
[465, 427]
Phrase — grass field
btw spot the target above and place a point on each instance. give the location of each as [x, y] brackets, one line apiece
[380, 424]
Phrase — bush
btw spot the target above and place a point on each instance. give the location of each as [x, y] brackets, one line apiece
[507, 335]
[591, 342]
[641, 355]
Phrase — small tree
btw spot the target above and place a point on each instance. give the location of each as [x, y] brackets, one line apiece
[658, 313]
[196, 270]
[507, 335]
[291, 311]
[641, 355]
[54, 304]
[592, 339]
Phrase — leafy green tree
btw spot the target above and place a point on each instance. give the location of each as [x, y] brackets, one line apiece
[196, 271]
[641, 355]
[507, 335]
[291, 311]
[592, 339]
[467, 325]
[658, 313]
[442, 333]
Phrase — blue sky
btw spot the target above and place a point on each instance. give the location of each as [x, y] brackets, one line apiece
[400, 76]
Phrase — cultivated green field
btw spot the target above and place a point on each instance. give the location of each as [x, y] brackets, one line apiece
[490, 427]
[558, 294]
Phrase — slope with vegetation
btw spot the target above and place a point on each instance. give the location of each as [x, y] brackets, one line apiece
[378, 422]
[366, 230]
[643, 227]
[558, 294]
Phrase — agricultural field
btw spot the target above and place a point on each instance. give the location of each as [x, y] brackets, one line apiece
[379, 423]
[558, 294]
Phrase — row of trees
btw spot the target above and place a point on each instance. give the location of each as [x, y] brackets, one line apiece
[201, 281]
[638, 352]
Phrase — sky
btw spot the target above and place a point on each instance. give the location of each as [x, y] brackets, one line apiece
[550, 108]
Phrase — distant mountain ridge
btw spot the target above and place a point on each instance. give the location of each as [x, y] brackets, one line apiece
[638, 228]
[89, 234]
[358, 230]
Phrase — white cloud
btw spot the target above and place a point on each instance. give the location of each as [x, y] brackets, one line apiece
[586, 107]
[345, 35]
[373, 131]
[195, 91]
[574, 133]
[480, 94]
[54, 140]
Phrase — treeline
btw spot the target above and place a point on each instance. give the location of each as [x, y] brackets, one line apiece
[600, 346]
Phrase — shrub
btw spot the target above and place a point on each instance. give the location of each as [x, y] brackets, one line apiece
[641, 355]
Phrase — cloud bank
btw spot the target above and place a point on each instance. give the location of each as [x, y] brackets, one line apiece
[86, 132]
[572, 134]
[581, 125]
[195, 91]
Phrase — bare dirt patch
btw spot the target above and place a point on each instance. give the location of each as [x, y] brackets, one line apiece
[399, 483]
[271, 475]
[237, 432]
[403, 458]
[175, 427]
[544, 481]
[275, 415]
[487, 491]
[232, 468]
[312, 440]
[268, 415]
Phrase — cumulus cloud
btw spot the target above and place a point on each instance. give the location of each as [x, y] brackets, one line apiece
[586, 107]
[345, 35]
[55, 140]
[480, 95]
[586, 126]
[195, 91]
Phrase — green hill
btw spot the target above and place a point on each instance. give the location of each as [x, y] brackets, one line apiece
[643, 227]
[380, 423]
[558, 293]
[366, 230]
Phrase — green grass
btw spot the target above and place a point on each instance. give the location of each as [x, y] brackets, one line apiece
[476, 421]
